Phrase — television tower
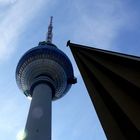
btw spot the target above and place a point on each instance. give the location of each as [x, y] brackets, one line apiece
[44, 73]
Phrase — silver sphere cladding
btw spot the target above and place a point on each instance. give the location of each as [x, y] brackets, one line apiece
[45, 63]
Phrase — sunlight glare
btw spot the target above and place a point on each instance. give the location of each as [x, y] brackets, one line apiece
[21, 135]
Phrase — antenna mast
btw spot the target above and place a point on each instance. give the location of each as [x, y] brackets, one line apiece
[50, 34]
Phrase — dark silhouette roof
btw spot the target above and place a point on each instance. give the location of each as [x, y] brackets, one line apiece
[113, 83]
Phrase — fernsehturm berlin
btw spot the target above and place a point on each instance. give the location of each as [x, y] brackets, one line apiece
[44, 73]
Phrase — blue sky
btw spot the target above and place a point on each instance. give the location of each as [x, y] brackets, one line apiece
[112, 25]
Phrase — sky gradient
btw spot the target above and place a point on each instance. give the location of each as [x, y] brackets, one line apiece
[106, 24]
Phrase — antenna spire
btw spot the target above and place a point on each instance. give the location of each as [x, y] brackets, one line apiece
[50, 34]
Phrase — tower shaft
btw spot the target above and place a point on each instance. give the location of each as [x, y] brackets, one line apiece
[38, 126]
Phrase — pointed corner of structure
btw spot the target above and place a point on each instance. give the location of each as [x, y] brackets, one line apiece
[68, 43]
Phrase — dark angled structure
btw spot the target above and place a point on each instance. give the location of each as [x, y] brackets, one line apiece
[113, 83]
[43, 73]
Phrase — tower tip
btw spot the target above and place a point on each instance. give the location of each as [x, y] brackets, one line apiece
[51, 19]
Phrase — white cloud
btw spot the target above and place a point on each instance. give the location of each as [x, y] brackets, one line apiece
[5, 2]
[101, 22]
[14, 23]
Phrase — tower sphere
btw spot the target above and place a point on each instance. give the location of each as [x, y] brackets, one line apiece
[45, 64]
